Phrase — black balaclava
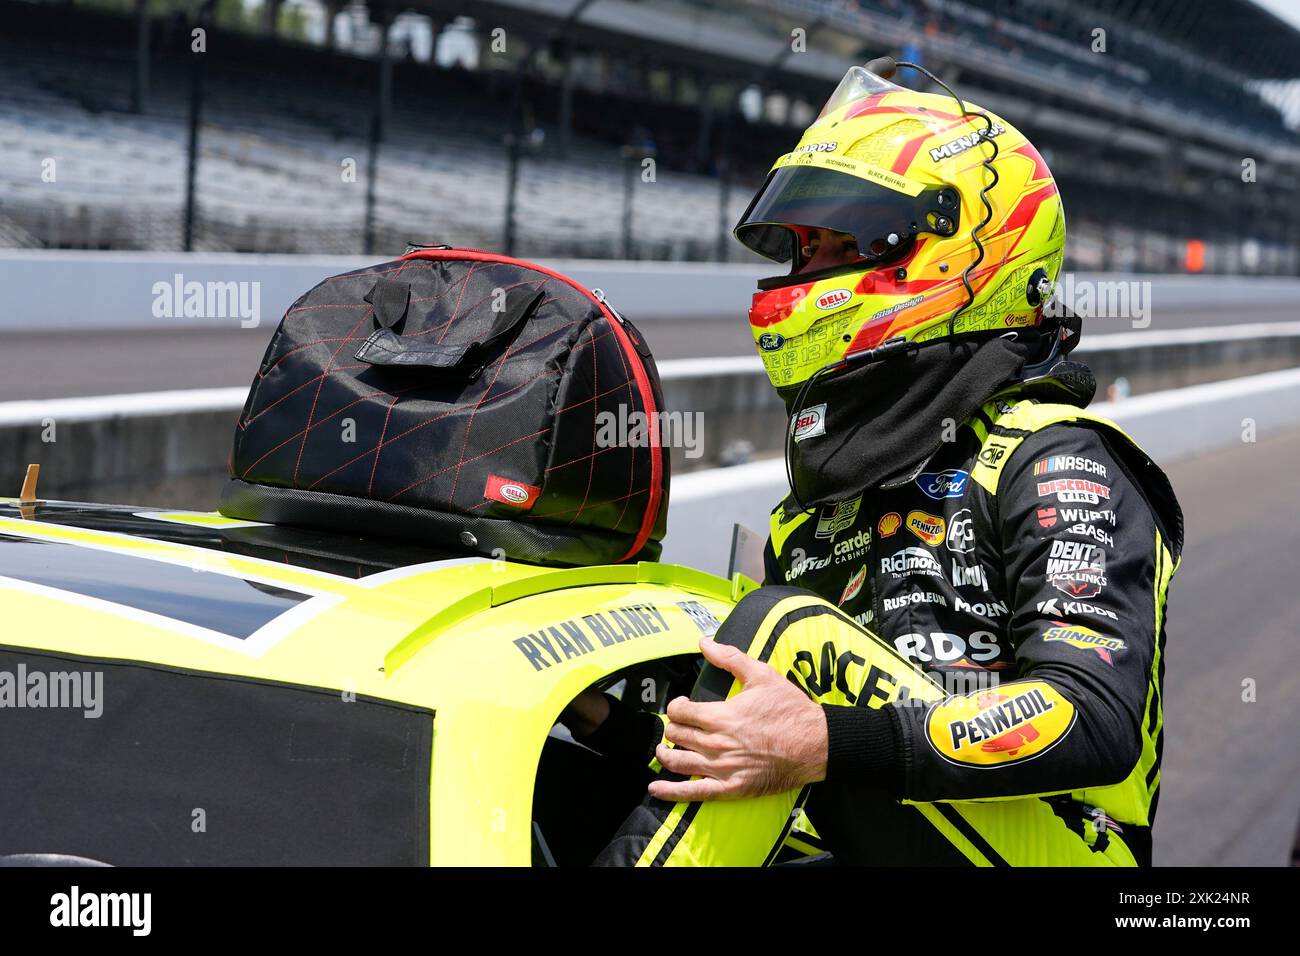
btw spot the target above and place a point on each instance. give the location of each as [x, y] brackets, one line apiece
[884, 419]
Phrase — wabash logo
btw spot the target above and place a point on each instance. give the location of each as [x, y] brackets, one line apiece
[508, 492]
[833, 299]
[995, 728]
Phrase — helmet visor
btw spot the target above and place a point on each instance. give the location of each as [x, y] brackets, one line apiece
[882, 220]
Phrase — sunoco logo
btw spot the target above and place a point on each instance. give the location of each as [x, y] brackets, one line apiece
[1085, 639]
[833, 299]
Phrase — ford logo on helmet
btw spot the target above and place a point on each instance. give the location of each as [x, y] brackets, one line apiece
[770, 341]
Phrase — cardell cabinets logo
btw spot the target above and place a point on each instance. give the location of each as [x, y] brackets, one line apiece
[943, 484]
[1015, 723]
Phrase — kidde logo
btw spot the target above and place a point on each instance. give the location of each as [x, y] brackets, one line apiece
[833, 299]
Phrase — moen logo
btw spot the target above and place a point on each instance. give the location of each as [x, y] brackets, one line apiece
[833, 299]
[770, 341]
[1085, 639]
[929, 528]
[1011, 725]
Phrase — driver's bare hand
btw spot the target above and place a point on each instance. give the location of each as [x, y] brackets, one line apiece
[768, 738]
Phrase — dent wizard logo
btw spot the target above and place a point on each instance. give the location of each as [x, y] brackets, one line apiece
[943, 484]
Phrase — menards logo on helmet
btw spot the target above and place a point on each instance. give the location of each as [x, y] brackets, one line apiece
[962, 143]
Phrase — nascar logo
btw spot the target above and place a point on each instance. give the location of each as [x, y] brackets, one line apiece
[1085, 639]
[1046, 466]
[929, 528]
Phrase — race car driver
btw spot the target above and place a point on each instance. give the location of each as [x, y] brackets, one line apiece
[958, 653]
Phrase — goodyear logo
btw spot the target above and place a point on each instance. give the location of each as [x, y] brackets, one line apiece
[1085, 639]
[929, 528]
[1013, 724]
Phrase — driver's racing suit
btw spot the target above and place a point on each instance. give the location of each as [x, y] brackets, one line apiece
[1009, 712]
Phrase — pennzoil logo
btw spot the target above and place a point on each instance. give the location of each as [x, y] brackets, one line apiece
[1015, 723]
[888, 524]
[929, 528]
[1086, 639]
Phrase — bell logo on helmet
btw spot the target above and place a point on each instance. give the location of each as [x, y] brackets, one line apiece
[828, 301]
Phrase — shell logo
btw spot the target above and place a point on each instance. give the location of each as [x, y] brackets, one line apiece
[888, 524]
[833, 299]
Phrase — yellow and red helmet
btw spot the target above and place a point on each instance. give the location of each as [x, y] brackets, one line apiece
[897, 180]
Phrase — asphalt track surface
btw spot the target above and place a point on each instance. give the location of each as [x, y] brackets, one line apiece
[1230, 791]
[36, 365]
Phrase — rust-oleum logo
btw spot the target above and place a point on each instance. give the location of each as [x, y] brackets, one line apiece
[1013, 724]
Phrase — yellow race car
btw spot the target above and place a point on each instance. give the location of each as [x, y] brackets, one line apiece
[181, 688]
